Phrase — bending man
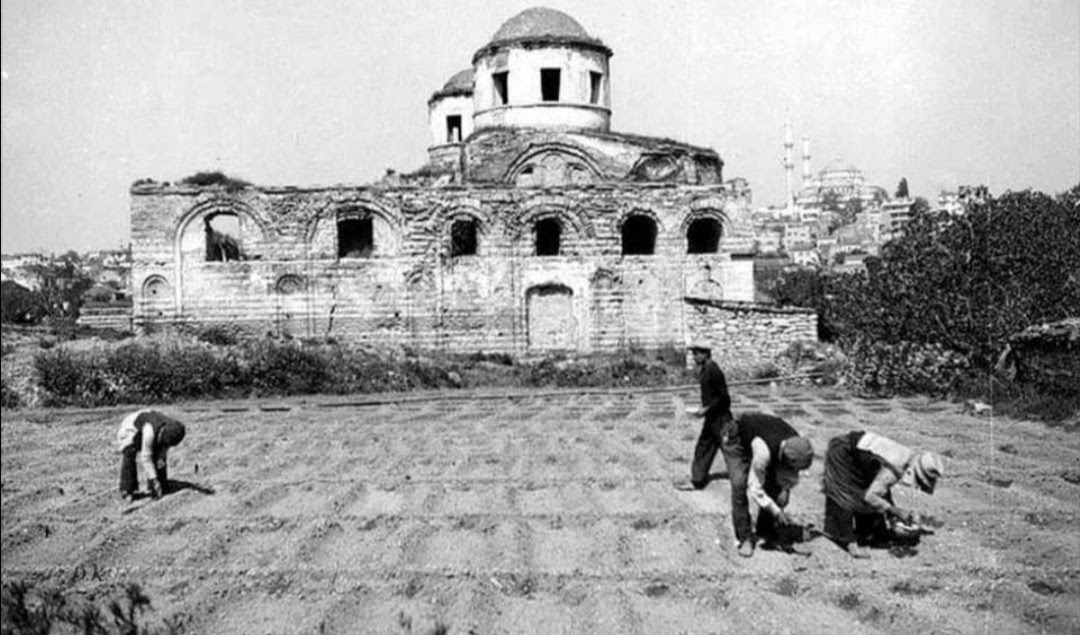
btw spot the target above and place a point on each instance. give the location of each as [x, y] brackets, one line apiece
[860, 471]
[764, 467]
[148, 435]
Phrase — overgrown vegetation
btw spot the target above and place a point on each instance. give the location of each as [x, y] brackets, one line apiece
[46, 611]
[156, 371]
[210, 178]
[938, 307]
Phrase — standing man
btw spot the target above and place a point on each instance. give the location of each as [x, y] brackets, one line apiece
[148, 435]
[860, 471]
[717, 428]
[764, 466]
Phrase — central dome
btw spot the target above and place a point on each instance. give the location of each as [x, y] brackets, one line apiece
[540, 22]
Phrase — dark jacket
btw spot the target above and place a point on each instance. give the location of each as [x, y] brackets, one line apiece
[714, 392]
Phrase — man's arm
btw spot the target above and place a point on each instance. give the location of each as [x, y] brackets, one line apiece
[759, 466]
[879, 489]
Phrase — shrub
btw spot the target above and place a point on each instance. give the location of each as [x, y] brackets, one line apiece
[885, 368]
[9, 397]
[218, 336]
[206, 179]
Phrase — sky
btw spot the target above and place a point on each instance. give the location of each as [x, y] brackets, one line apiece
[97, 94]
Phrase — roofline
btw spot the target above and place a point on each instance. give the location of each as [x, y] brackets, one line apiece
[541, 40]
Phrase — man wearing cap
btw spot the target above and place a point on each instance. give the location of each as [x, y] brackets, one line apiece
[765, 466]
[717, 428]
[860, 471]
[148, 435]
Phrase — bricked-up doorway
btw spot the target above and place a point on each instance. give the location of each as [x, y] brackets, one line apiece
[550, 316]
[703, 236]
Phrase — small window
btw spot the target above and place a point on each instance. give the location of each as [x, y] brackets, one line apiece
[596, 82]
[223, 238]
[703, 236]
[638, 236]
[453, 128]
[501, 82]
[548, 234]
[356, 239]
[463, 238]
[549, 84]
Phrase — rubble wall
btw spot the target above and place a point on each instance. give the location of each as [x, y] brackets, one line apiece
[410, 289]
[745, 334]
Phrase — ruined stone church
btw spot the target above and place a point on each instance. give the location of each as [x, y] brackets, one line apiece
[533, 227]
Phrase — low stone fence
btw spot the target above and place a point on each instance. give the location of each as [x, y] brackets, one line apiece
[1048, 355]
[746, 334]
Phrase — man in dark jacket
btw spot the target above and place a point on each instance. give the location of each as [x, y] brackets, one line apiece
[716, 430]
[146, 435]
[764, 466]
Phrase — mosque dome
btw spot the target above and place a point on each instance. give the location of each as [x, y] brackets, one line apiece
[461, 83]
[542, 25]
[539, 22]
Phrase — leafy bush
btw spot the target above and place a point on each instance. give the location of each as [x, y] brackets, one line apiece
[218, 336]
[206, 179]
[27, 609]
[903, 367]
[9, 397]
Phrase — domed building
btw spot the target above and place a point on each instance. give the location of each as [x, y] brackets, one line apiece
[533, 226]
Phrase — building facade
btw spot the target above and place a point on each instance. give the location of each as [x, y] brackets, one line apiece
[533, 227]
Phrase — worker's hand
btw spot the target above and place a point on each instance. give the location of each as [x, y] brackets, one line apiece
[905, 516]
[695, 412]
[782, 498]
[155, 489]
[783, 519]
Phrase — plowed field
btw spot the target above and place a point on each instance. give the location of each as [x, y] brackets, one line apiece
[540, 513]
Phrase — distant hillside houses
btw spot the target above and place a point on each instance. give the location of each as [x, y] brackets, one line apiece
[836, 220]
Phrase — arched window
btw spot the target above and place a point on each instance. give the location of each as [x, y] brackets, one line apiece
[222, 231]
[548, 235]
[703, 236]
[463, 237]
[289, 284]
[155, 288]
[356, 237]
[638, 236]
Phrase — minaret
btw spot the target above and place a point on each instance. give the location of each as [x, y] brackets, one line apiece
[805, 161]
[789, 165]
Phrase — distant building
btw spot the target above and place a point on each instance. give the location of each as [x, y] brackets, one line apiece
[533, 226]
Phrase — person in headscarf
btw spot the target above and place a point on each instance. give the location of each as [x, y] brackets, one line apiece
[146, 435]
[860, 471]
[767, 459]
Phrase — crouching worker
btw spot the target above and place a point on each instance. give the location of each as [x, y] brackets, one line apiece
[860, 471]
[765, 467]
[148, 435]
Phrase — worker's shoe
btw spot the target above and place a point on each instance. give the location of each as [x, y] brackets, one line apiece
[688, 486]
[855, 550]
[746, 548]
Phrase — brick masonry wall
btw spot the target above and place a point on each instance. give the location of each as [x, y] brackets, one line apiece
[744, 334]
[410, 291]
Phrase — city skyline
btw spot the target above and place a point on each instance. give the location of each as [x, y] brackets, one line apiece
[98, 95]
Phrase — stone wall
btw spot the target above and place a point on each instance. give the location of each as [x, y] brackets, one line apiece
[409, 289]
[745, 334]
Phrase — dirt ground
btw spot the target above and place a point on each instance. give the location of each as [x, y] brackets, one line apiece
[540, 513]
